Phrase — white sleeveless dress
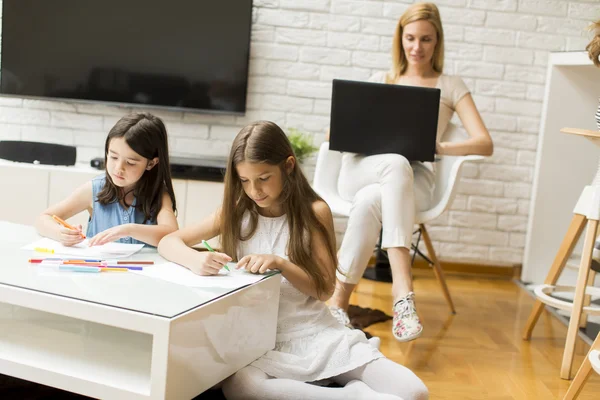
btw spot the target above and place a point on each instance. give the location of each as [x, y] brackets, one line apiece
[311, 344]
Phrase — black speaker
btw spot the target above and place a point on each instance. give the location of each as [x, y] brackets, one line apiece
[37, 152]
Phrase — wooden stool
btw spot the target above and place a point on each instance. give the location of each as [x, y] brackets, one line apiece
[587, 211]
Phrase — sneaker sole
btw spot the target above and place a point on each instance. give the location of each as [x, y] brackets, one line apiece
[402, 340]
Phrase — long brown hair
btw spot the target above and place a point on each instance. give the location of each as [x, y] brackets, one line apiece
[593, 47]
[146, 135]
[265, 142]
[419, 11]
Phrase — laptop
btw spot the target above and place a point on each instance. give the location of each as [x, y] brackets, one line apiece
[376, 118]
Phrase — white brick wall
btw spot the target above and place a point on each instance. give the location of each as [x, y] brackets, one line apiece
[499, 47]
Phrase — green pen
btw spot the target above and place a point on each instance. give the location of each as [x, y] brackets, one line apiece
[205, 243]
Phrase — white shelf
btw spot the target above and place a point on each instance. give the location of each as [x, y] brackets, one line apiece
[573, 58]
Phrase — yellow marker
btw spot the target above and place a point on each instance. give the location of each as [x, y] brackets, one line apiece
[109, 269]
[43, 250]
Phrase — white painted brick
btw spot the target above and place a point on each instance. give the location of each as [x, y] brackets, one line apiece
[453, 33]
[378, 26]
[394, 10]
[108, 121]
[77, 121]
[513, 90]
[535, 92]
[463, 51]
[164, 114]
[522, 73]
[322, 107]
[510, 21]
[309, 123]
[517, 190]
[262, 33]
[480, 187]
[352, 41]
[479, 69]
[272, 51]
[266, 3]
[506, 255]
[254, 101]
[510, 173]
[310, 5]
[224, 133]
[497, 122]
[201, 118]
[385, 44]
[526, 157]
[519, 107]
[453, 3]
[502, 37]
[360, 8]
[459, 203]
[492, 205]
[10, 131]
[470, 170]
[513, 223]
[508, 55]
[301, 36]
[462, 251]
[443, 233]
[261, 115]
[442, 220]
[295, 70]
[313, 90]
[584, 11]
[91, 139]
[544, 7]
[524, 206]
[48, 135]
[541, 58]
[286, 103]
[484, 103]
[293, 19]
[563, 26]
[200, 147]
[528, 125]
[6, 101]
[331, 22]
[180, 129]
[267, 84]
[257, 67]
[85, 154]
[24, 116]
[371, 60]
[503, 156]
[50, 105]
[485, 237]
[503, 5]
[463, 16]
[319, 55]
[517, 240]
[100, 109]
[330, 72]
[541, 41]
[473, 219]
[576, 43]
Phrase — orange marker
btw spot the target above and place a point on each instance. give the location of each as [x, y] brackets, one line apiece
[65, 224]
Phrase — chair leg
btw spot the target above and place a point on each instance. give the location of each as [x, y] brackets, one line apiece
[582, 374]
[564, 251]
[437, 268]
[587, 299]
[582, 280]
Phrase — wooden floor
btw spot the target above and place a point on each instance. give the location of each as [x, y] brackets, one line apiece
[478, 353]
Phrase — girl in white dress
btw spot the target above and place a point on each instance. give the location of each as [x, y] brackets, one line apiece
[272, 219]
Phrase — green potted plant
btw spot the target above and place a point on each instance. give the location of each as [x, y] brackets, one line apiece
[302, 144]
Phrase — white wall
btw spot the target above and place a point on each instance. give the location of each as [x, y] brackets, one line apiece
[499, 47]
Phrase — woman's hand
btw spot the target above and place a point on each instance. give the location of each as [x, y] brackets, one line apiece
[208, 263]
[259, 263]
[70, 237]
[440, 147]
[110, 235]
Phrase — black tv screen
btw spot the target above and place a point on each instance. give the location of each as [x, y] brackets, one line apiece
[184, 54]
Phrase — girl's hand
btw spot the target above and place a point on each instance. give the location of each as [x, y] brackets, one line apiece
[259, 263]
[70, 237]
[209, 263]
[110, 235]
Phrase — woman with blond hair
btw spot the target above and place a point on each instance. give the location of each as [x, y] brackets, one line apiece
[386, 189]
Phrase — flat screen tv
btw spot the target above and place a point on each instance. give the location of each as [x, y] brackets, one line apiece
[181, 54]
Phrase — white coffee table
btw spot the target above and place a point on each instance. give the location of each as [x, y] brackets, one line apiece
[124, 335]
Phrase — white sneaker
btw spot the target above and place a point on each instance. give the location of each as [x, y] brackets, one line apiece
[341, 316]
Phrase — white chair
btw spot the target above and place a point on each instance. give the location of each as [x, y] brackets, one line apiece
[448, 171]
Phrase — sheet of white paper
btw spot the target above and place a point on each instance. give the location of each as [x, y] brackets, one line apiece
[108, 250]
[175, 273]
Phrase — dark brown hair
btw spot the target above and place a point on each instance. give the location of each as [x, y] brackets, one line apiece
[265, 142]
[146, 135]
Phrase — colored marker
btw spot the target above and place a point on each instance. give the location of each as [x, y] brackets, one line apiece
[43, 250]
[205, 243]
[66, 224]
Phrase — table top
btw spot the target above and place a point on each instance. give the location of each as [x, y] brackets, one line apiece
[594, 136]
[129, 291]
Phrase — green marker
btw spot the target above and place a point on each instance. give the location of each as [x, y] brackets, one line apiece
[205, 243]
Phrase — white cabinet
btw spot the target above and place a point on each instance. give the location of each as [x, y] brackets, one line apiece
[62, 183]
[24, 194]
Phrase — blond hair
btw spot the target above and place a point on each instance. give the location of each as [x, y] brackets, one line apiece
[417, 12]
[593, 47]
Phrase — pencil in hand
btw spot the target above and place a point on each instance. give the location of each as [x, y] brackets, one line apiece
[66, 224]
[205, 243]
